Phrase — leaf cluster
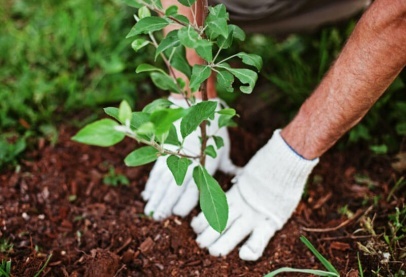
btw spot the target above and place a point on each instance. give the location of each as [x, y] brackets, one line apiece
[154, 127]
[208, 41]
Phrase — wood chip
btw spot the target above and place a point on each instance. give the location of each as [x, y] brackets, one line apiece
[342, 246]
[147, 245]
[193, 263]
[128, 256]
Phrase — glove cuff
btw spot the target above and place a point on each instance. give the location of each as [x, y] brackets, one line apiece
[287, 158]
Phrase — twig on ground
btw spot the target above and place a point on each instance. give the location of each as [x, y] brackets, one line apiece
[356, 216]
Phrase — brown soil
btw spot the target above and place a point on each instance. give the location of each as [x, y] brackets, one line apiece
[57, 203]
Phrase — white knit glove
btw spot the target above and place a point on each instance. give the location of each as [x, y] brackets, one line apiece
[264, 197]
[163, 195]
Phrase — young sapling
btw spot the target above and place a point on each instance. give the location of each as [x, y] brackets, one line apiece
[162, 127]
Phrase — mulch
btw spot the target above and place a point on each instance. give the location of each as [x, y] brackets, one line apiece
[56, 203]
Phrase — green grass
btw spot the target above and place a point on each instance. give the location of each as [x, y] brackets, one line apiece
[60, 58]
[5, 268]
[331, 270]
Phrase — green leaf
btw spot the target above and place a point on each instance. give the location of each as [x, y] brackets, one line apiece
[227, 111]
[195, 116]
[141, 156]
[155, 3]
[158, 104]
[237, 32]
[112, 111]
[320, 257]
[199, 74]
[181, 83]
[251, 59]
[165, 82]
[133, 3]
[143, 12]
[225, 81]
[308, 271]
[178, 167]
[163, 119]
[161, 137]
[218, 11]
[100, 133]
[172, 137]
[144, 67]
[124, 112]
[210, 151]
[187, 3]
[218, 141]
[179, 61]
[139, 43]
[170, 41]
[213, 201]
[181, 18]
[138, 119]
[226, 121]
[246, 76]
[204, 50]
[171, 10]
[189, 37]
[217, 27]
[234, 32]
[401, 128]
[147, 128]
[147, 25]
[216, 22]
[379, 149]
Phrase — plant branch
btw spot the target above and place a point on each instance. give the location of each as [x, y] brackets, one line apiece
[160, 148]
[203, 90]
[226, 59]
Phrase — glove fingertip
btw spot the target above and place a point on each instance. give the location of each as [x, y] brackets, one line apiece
[247, 254]
[217, 252]
[159, 215]
[146, 195]
[199, 223]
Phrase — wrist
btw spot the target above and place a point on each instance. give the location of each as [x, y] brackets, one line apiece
[306, 135]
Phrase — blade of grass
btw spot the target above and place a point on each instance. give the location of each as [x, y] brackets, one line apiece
[308, 271]
[7, 267]
[323, 260]
[361, 272]
[44, 266]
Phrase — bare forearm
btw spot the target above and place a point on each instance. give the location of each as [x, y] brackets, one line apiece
[373, 56]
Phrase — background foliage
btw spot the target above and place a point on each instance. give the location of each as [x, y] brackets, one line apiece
[59, 59]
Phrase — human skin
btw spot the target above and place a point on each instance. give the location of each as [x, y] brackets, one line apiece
[373, 56]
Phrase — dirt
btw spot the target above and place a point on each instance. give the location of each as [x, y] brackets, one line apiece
[56, 203]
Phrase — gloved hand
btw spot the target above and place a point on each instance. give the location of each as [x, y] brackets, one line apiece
[163, 195]
[263, 198]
